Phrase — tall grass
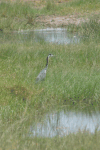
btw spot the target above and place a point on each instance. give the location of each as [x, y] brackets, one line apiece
[92, 28]
[88, 30]
[15, 16]
[72, 75]
[22, 15]
[72, 81]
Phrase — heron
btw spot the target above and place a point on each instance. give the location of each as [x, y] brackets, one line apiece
[42, 74]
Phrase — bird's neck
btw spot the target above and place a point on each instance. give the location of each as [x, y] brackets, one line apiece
[47, 62]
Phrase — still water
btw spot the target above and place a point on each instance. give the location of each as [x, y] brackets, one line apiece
[58, 35]
[63, 123]
[50, 35]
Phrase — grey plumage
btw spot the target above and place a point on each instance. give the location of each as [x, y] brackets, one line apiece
[42, 74]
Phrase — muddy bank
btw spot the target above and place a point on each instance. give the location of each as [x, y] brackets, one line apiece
[58, 21]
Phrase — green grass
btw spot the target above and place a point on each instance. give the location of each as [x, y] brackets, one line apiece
[22, 15]
[78, 141]
[16, 16]
[72, 7]
[72, 80]
[73, 72]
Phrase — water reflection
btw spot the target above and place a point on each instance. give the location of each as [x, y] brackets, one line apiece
[51, 35]
[56, 35]
[63, 123]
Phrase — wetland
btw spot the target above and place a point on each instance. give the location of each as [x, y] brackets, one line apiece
[64, 109]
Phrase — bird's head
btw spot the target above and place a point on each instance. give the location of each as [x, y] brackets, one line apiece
[50, 55]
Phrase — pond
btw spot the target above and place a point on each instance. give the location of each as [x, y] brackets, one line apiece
[51, 35]
[58, 36]
[65, 122]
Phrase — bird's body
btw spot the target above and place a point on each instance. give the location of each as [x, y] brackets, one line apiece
[42, 74]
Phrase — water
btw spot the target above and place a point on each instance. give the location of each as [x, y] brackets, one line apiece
[58, 36]
[63, 123]
[51, 35]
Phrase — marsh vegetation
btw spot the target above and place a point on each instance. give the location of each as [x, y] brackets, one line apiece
[72, 80]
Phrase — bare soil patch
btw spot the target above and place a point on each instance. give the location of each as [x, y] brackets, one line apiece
[59, 21]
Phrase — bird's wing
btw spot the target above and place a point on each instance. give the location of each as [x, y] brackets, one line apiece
[41, 75]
